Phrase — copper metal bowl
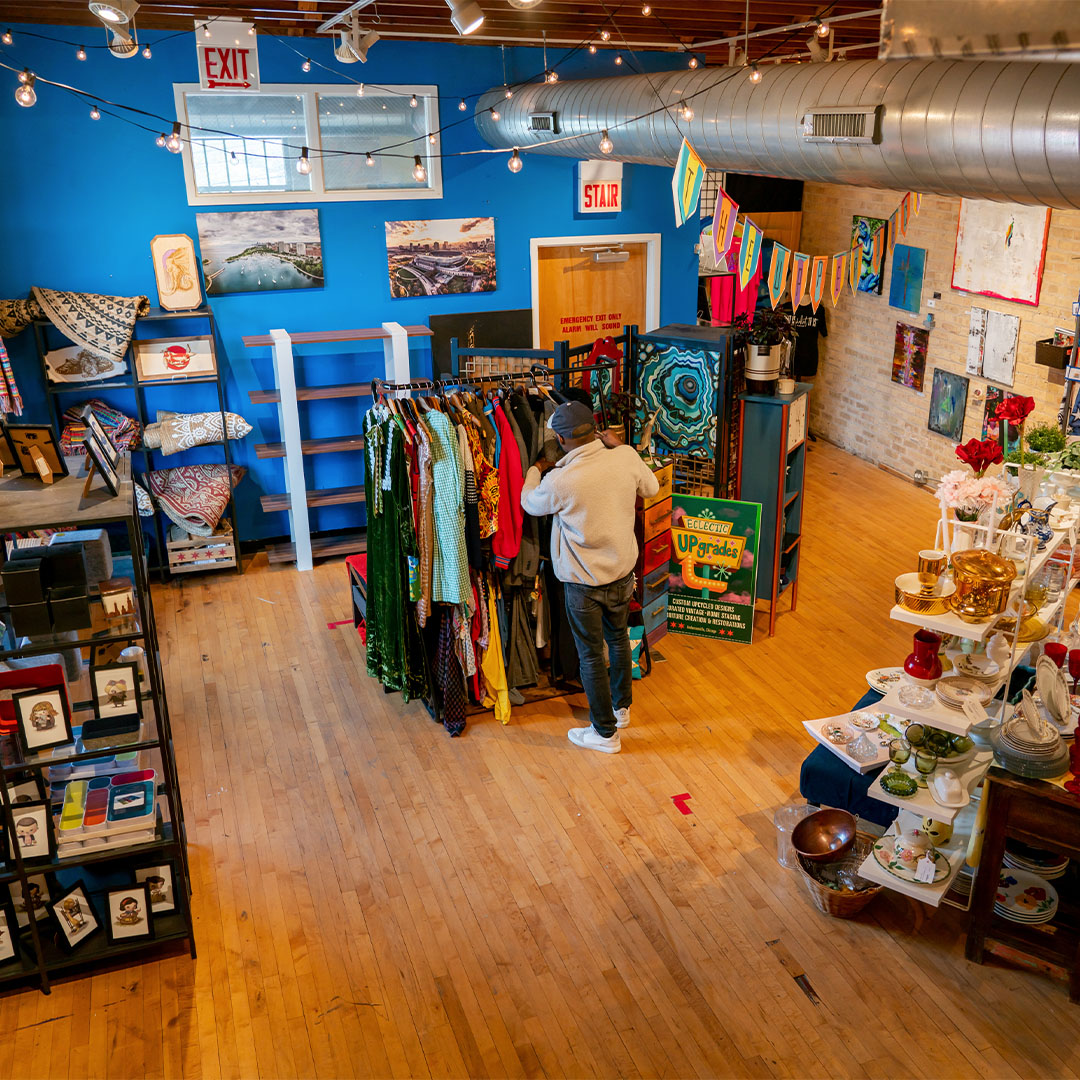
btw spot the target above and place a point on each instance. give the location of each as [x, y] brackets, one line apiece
[924, 594]
[824, 836]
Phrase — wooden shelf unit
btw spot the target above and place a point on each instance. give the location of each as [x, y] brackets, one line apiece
[297, 500]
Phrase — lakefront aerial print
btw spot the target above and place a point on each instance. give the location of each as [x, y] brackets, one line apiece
[260, 250]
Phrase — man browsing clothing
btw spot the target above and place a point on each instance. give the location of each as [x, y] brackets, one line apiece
[591, 493]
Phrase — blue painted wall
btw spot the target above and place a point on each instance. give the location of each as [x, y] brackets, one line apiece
[82, 199]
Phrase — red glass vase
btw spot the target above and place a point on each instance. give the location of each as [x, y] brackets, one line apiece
[922, 665]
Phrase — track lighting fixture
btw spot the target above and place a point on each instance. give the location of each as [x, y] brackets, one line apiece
[115, 12]
[465, 15]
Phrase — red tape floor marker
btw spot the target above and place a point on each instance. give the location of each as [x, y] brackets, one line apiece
[335, 625]
[680, 802]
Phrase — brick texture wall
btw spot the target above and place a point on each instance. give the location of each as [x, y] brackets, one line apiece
[855, 403]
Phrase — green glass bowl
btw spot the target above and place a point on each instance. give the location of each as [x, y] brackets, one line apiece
[900, 784]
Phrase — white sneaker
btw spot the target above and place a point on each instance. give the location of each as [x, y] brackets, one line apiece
[622, 717]
[587, 738]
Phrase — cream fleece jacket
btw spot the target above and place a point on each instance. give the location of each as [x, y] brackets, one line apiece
[591, 494]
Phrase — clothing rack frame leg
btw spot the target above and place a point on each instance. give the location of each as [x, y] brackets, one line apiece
[281, 352]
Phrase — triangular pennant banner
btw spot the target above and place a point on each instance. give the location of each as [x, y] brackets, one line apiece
[855, 266]
[749, 253]
[838, 276]
[905, 211]
[818, 274]
[800, 268]
[877, 249]
[723, 226]
[778, 272]
[917, 203]
[686, 183]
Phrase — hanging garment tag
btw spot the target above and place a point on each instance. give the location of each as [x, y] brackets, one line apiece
[924, 870]
[414, 577]
[974, 711]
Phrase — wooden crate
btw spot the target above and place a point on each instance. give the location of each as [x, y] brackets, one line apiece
[217, 552]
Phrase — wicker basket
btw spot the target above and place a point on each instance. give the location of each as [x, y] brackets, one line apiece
[841, 905]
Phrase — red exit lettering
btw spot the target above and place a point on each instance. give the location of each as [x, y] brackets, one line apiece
[226, 67]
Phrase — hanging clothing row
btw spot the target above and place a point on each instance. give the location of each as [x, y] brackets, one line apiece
[462, 603]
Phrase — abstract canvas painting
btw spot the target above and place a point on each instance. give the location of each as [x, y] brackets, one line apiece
[909, 355]
[863, 229]
[905, 285]
[436, 258]
[948, 400]
[1000, 250]
[681, 384]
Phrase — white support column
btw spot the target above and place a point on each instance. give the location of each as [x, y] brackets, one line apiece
[289, 416]
[396, 353]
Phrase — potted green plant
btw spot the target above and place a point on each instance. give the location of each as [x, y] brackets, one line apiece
[764, 338]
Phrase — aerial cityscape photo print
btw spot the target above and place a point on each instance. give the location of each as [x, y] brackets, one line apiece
[435, 258]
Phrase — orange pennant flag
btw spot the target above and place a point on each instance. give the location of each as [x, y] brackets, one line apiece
[838, 276]
[818, 273]
[855, 266]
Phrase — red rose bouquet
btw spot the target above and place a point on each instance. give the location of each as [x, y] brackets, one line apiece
[979, 455]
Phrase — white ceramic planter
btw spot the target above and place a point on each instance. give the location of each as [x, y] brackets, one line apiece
[762, 368]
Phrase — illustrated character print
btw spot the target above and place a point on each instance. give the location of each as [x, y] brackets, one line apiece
[157, 889]
[72, 913]
[130, 915]
[177, 268]
[34, 893]
[26, 830]
[43, 716]
[116, 692]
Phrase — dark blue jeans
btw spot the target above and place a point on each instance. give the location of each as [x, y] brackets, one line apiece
[598, 614]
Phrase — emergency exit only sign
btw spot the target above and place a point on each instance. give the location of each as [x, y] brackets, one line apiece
[228, 54]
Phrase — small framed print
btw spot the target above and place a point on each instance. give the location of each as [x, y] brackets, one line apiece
[103, 464]
[42, 718]
[166, 359]
[21, 437]
[33, 837]
[26, 791]
[75, 916]
[159, 880]
[36, 903]
[117, 598]
[128, 914]
[9, 935]
[116, 690]
[105, 444]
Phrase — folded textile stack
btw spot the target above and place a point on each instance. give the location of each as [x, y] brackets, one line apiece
[193, 496]
[122, 430]
[174, 432]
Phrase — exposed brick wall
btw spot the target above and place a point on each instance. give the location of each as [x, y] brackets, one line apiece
[855, 403]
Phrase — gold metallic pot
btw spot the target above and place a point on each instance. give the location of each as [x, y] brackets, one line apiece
[983, 581]
[924, 594]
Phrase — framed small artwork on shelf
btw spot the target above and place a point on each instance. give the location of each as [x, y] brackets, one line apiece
[101, 460]
[75, 917]
[159, 881]
[76, 364]
[116, 690]
[117, 598]
[35, 904]
[42, 718]
[29, 790]
[33, 832]
[128, 914]
[93, 427]
[9, 934]
[169, 359]
[176, 272]
[34, 446]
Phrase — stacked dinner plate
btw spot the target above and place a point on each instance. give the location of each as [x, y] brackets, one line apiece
[962, 882]
[1023, 897]
[954, 690]
[1028, 746]
[1046, 864]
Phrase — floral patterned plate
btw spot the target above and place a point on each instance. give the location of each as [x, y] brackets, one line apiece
[883, 679]
[886, 857]
[1025, 897]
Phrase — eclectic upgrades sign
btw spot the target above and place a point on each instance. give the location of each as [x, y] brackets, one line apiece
[229, 56]
[714, 558]
[599, 187]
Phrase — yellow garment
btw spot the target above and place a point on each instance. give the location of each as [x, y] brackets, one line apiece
[494, 669]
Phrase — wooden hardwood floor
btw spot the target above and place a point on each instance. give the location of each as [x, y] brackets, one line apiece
[374, 898]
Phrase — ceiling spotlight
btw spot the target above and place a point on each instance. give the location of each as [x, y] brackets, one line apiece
[592, 49]
[465, 15]
[80, 53]
[147, 53]
[369, 161]
[173, 143]
[646, 9]
[114, 12]
[495, 114]
[606, 145]
[122, 44]
[687, 112]
[419, 172]
[160, 141]
[354, 42]
[515, 162]
[95, 113]
[618, 59]
[818, 53]
[461, 105]
[755, 74]
[822, 29]
[523, 5]
[413, 102]
[693, 63]
[25, 94]
[303, 162]
[306, 65]
[6, 37]
[551, 76]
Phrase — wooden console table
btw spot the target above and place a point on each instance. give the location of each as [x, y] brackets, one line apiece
[1044, 816]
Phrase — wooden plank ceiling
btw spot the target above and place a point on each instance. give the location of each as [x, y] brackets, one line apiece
[672, 24]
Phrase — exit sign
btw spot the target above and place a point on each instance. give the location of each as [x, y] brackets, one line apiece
[599, 187]
[229, 56]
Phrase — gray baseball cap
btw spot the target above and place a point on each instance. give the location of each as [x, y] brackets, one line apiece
[572, 420]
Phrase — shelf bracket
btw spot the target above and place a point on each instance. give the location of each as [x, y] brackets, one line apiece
[295, 483]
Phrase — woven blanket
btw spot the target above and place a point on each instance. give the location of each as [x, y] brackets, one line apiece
[123, 432]
[102, 324]
[180, 431]
[193, 496]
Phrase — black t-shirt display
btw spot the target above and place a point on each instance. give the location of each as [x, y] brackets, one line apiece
[808, 324]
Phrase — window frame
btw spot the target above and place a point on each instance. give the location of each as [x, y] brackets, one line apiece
[310, 93]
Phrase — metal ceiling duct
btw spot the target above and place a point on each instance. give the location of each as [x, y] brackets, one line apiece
[1007, 132]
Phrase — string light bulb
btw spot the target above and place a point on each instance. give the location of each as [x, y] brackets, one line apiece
[205, 30]
[461, 105]
[592, 48]
[303, 162]
[605, 35]
[25, 94]
[413, 102]
[693, 63]
[618, 59]
[646, 9]
[146, 53]
[606, 145]
[755, 74]
[822, 29]
[95, 112]
[495, 114]
[419, 172]
[515, 163]
[552, 76]
[360, 90]
[6, 37]
[306, 65]
[160, 141]
[686, 110]
[370, 161]
[251, 31]
[508, 94]
[80, 53]
[173, 143]
[431, 138]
